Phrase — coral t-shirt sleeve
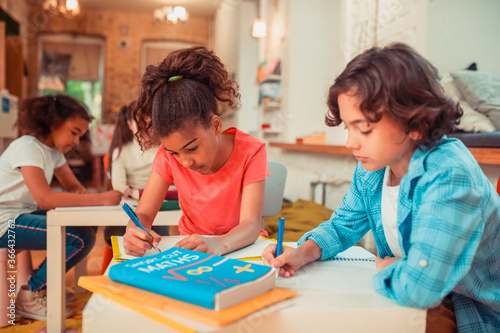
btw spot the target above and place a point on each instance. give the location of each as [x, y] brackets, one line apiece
[256, 169]
[161, 165]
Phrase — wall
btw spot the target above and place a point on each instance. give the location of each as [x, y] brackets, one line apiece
[238, 51]
[312, 56]
[462, 32]
[17, 10]
[247, 66]
[122, 67]
[311, 65]
[315, 52]
[225, 39]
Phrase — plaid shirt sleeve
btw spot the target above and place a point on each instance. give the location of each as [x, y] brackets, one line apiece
[447, 224]
[347, 225]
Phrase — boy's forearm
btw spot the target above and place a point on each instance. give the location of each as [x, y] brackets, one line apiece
[310, 250]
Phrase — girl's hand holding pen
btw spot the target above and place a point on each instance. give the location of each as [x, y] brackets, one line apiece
[127, 193]
[131, 193]
[136, 241]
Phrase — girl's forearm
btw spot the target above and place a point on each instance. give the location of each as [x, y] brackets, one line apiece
[146, 219]
[78, 188]
[240, 236]
[66, 199]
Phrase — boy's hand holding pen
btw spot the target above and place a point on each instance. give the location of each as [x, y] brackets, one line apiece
[279, 243]
[287, 259]
[272, 252]
[136, 221]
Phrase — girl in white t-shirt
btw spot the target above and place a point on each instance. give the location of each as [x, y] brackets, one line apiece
[128, 166]
[53, 125]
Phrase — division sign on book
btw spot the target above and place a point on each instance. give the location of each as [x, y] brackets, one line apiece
[208, 280]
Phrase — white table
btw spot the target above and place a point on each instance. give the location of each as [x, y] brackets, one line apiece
[57, 221]
[349, 304]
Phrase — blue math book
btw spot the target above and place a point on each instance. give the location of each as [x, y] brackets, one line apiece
[208, 280]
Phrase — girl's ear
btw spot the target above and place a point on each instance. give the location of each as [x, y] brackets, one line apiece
[216, 124]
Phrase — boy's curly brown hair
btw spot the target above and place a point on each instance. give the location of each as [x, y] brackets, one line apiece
[184, 90]
[398, 82]
[37, 115]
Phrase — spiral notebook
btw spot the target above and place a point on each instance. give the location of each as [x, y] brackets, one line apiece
[352, 270]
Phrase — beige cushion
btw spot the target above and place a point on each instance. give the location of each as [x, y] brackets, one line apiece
[481, 91]
[471, 121]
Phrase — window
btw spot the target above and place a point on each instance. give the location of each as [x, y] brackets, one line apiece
[73, 65]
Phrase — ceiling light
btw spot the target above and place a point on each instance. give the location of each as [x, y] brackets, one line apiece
[259, 28]
[66, 8]
[171, 14]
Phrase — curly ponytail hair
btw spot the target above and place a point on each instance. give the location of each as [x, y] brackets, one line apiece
[400, 83]
[37, 115]
[182, 92]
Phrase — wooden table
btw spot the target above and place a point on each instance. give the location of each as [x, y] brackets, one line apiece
[57, 221]
[331, 297]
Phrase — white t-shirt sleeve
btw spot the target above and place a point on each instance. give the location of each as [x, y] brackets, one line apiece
[31, 153]
[60, 160]
[28, 153]
[119, 171]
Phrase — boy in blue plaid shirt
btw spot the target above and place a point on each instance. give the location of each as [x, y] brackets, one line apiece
[434, 214]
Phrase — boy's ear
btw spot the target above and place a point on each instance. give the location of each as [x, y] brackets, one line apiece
[216, 124]
[415, 135]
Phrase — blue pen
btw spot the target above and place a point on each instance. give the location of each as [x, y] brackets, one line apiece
[279, 243]
[136, 221]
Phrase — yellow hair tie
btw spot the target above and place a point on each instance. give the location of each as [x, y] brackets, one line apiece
[173, 78]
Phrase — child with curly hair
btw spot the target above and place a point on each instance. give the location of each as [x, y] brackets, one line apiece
[53, 125]
[219, 174]
[434, 214]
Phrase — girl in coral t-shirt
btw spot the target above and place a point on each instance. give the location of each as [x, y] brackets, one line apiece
[219, 175]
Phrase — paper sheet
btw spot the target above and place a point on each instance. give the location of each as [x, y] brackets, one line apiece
[251, 252]
[166, 243]
[319, 275]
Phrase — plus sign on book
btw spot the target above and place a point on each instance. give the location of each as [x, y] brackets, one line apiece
[208, 280]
